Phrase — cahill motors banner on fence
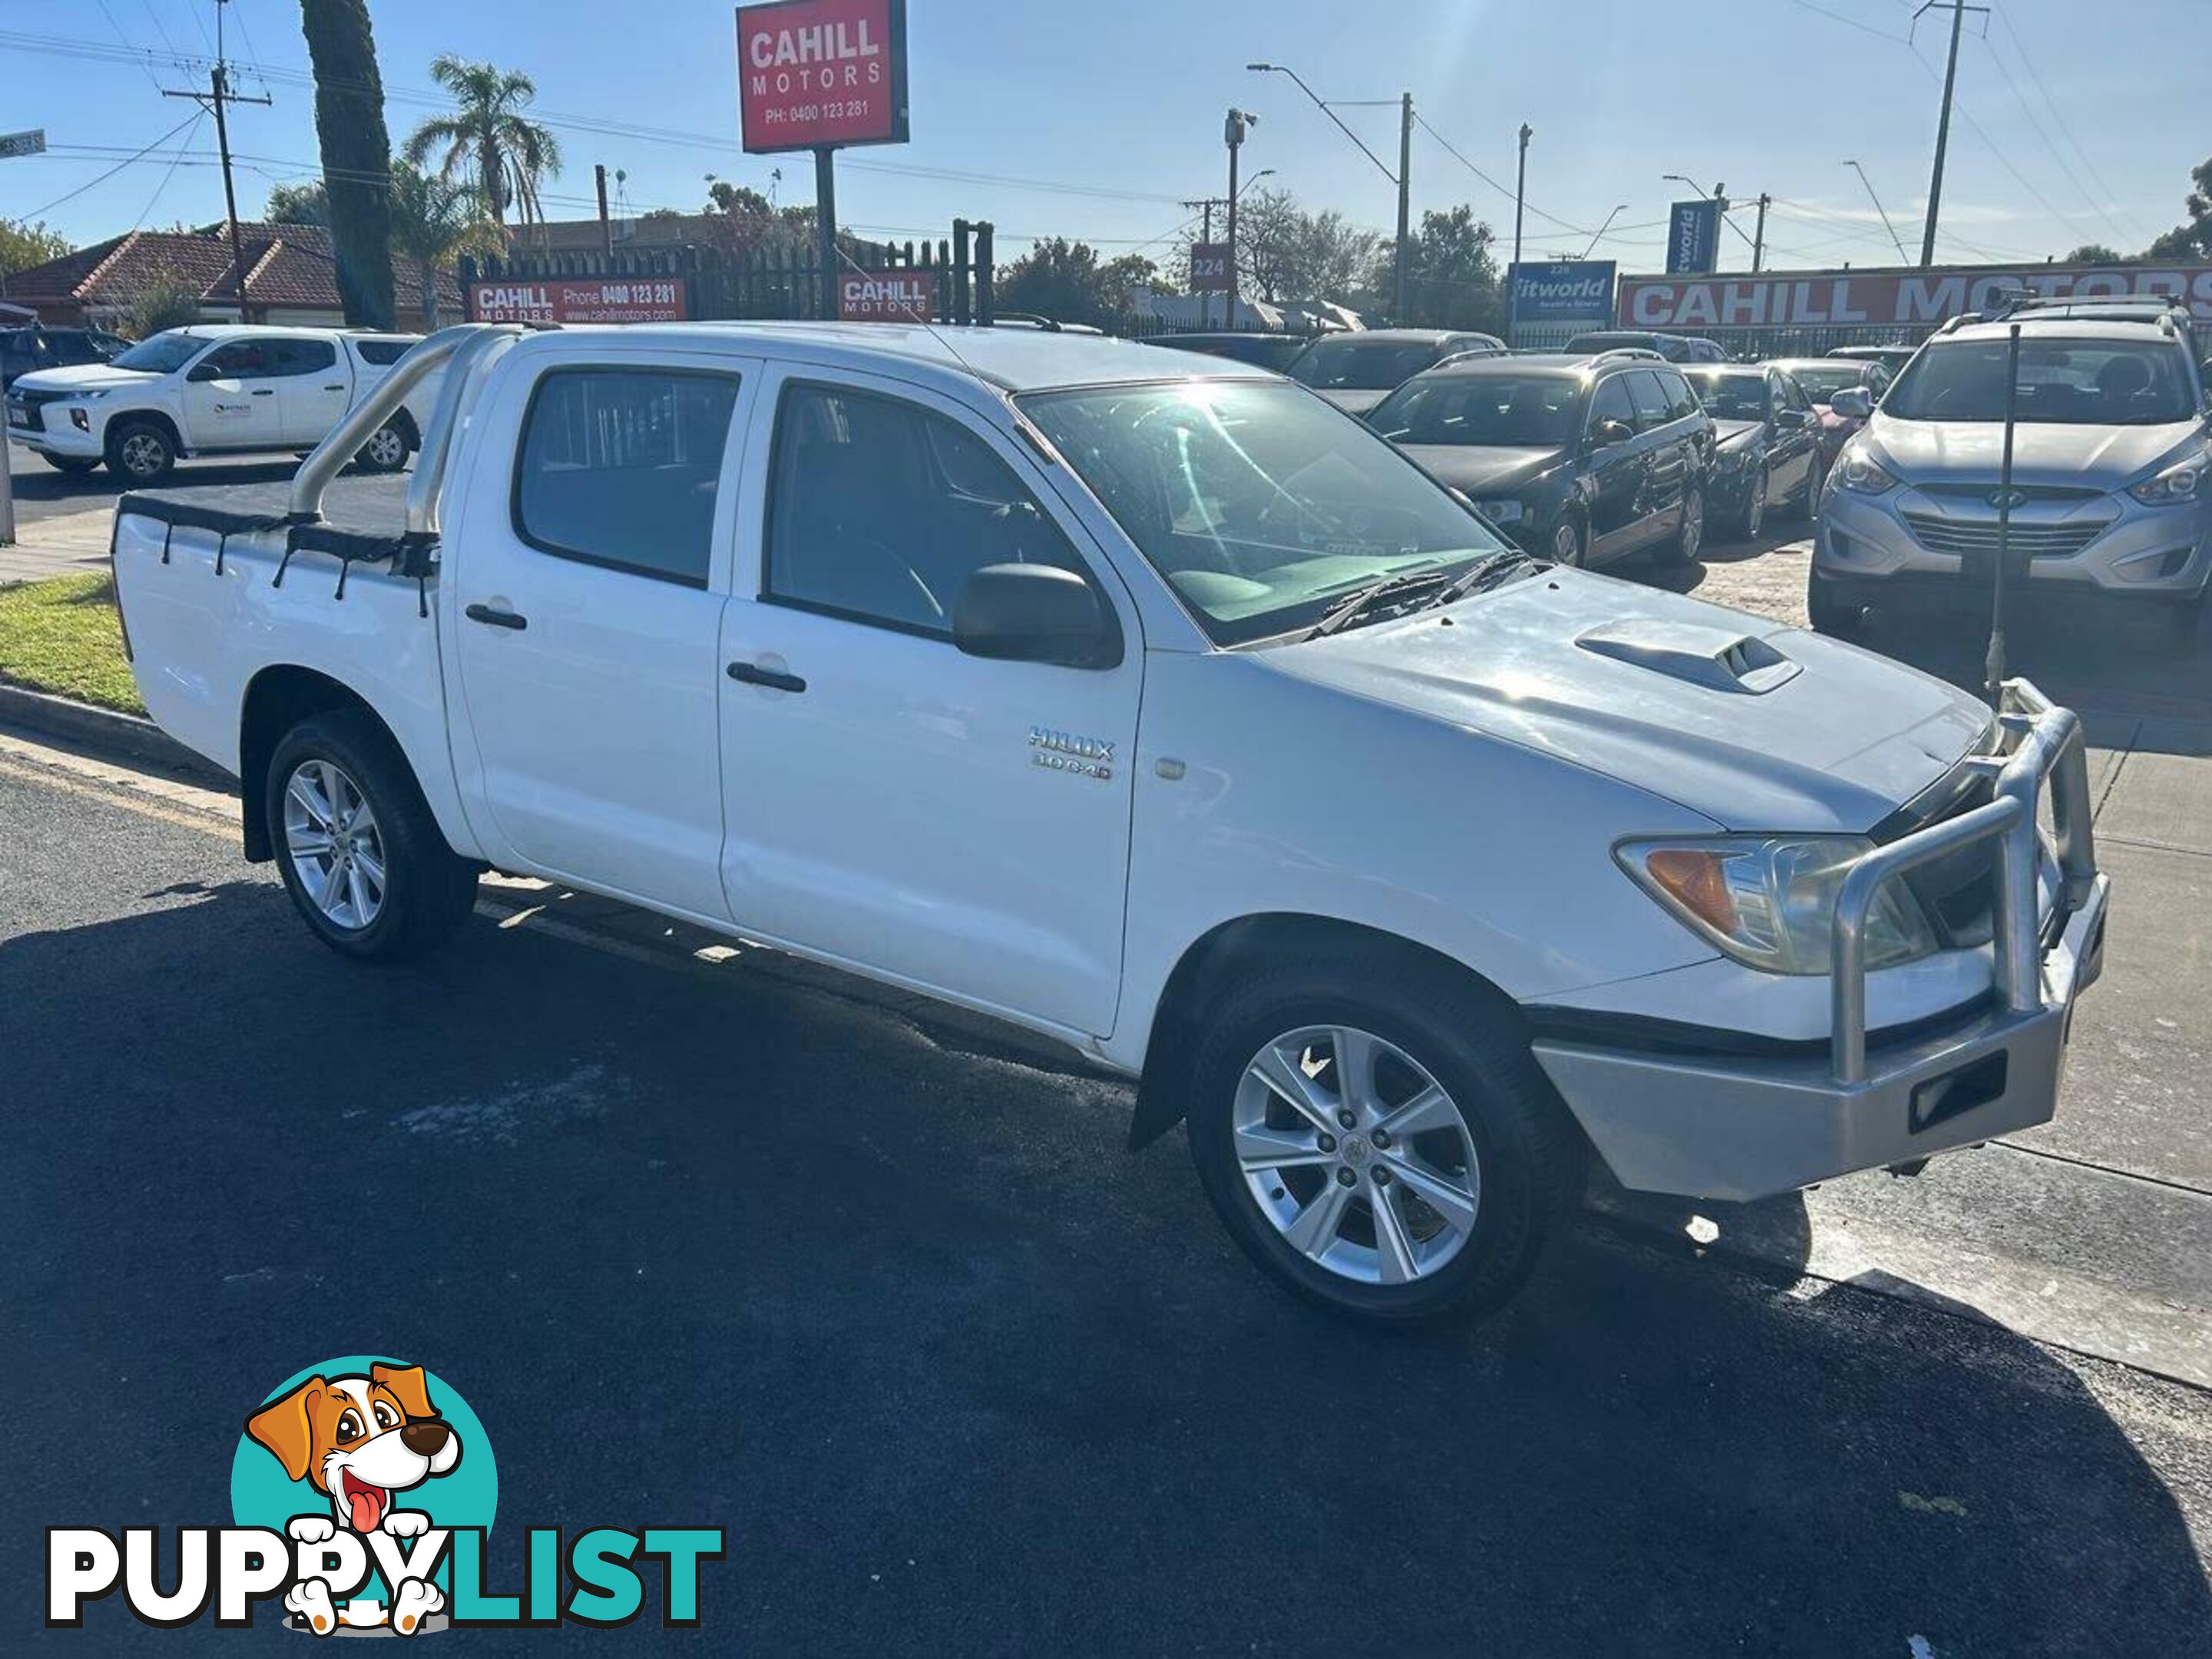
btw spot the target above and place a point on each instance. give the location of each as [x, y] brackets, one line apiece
[1888, 298]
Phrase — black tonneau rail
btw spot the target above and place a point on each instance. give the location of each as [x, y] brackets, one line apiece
[406, 556]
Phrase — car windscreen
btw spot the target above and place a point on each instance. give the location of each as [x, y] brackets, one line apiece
[1516, 410]
[2096, 382]
[163, 354]
[1730, 397]
[1361, 366]
[1258, 503]
[1822, 381]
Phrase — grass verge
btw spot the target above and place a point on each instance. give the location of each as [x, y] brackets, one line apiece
[63, 636]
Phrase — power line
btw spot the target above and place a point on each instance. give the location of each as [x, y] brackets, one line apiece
[36, 214]
[147, 211]
[2056, 154]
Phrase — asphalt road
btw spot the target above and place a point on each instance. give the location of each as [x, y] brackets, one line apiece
[958, 1374]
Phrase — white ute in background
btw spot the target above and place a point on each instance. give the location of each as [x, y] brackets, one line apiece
[211, 389]
[1150, 703]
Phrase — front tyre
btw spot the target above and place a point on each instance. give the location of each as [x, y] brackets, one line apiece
[387, 450]
[1568, 545]
[141, 452]
[364, 862]
[1378, 1145]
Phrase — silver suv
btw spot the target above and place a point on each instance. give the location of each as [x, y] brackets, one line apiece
[2112, 483]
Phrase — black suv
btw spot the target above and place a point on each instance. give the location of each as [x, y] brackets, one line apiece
[1674, 348]
[22, 349]
[1583, 459]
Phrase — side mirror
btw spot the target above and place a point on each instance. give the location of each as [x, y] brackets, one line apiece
[1853, 402]
[1606, 433]
[1789, 420]
[205, 372]
[1035, 613]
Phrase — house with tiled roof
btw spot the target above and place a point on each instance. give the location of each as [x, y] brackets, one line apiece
[289, 276]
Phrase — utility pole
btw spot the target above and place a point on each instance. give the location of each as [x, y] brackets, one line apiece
[1959, 9]
[606, 228]
[1404, 202]
[1513, 272]
[218, 95]
[1233, 129]
[1759, 234]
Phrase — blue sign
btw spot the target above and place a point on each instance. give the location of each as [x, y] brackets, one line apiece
[1563, 291]
[1693, 237]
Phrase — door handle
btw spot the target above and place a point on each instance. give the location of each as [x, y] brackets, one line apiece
[769, 677]
[265, 391]
[336, 385]
[495, 618]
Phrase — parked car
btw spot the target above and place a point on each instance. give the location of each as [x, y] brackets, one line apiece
[1584, 459]
[1674, 348]
[40, 345]
[2111, 476]
[1067, 680]
[225, 389]
[1273, 351]
[1821, 378]
[1356, 371]
[1766, 450]
[1890, 357]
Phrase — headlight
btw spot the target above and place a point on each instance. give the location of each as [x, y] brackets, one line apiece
[85, 396]
[1859, 473]
[2184, 481]
[1770, 901]
[1500, 512]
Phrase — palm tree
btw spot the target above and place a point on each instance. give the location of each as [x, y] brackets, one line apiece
[349, 123]
[490, 135]
[435, 222]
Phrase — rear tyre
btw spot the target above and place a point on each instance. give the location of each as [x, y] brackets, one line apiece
[1830, 613]
[1378, 1142]
[365, 862]
[1689, 537]
[387, 450]
[141, 452]
[75, 467]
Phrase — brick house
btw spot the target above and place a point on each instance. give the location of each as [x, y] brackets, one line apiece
[290, 276]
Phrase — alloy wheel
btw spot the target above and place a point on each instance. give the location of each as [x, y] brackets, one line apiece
[1356, 1154]
[1693, 525]
[144, 455]
[1754, 510]
[333, 845]
[387, 449]
[1566, 544]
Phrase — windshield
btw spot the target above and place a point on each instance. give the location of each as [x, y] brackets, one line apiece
[163, 354]
[1262, 506]
[1822, 381]
[1363, 366]
[2077, 382]
[1526, 410]
[1731, 397]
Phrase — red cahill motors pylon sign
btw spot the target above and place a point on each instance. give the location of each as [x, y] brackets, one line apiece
[819, 72]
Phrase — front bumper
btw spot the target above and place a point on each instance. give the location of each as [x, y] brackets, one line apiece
[1730, 1127]
[1864, 543]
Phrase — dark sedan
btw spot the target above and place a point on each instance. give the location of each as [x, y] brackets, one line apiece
[1767, 452]
[1822, 378]
[1272, 351]
[1358, 371]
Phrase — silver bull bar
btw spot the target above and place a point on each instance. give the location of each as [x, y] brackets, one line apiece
[2039, 741]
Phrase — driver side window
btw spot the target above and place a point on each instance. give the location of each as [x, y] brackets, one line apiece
[880, 511]
[1610, 402]
[241, 360]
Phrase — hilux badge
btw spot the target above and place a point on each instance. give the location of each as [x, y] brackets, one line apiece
[1064, 751]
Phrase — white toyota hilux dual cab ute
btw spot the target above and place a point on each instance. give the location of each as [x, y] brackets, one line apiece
[1150, 703]
[229, 389]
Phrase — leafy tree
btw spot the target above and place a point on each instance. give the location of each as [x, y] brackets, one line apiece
[435, 222]
[166, 298]
[357, 151]
[298, 205]
[23, 244]
[1453, 279]
[2194, 240]
[510, 154]
[1068, 283]
[1284, 253]
[2094, 254]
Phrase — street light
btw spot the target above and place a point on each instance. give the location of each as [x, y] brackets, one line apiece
[1604, 227]
[1264, 172]
[1401, 177]
[1903, 258]
[1234, 126]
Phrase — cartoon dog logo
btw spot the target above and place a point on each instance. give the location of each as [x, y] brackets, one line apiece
[360, 1441]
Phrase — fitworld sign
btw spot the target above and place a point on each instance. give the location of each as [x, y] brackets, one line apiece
[820, 72]
[1889, 299]
[1563, 291]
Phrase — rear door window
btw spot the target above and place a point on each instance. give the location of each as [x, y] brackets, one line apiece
[290, 357]
[1610, 402]
[1681, 402]
[621, 467]
[381, 353]
[1654, 409]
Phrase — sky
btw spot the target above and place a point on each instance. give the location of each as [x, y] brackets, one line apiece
[1095, 122]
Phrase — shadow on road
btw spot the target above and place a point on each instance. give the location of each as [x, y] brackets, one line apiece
[957, 1373]
[38, 482]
